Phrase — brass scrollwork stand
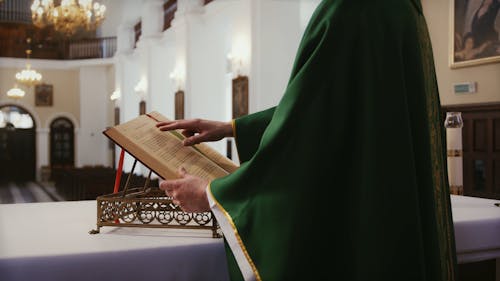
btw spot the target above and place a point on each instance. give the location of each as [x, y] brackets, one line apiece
[148, 207]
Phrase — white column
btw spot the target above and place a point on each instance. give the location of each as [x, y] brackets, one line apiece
[152, 18]
[276, 34]
[42, 148]
[125, 38]
[186, 6]
[187, 11]
[92, 145]
[454, 126]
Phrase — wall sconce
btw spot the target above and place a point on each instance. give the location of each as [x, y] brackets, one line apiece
[115, 95]
[141, 88]
[177, 77]
[239, 55]
[235, 62]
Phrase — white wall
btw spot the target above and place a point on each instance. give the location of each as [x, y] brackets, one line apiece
[209, 42]
[438, 18]
[307, 8]
[162, 88]
[117, 13]
[92, 145]
[263, 34]
[276, 34]
[81, 94]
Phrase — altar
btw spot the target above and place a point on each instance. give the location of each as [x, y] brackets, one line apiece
[477, 228]
[50, 241]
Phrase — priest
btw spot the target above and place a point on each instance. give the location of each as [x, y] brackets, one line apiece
[345, 179]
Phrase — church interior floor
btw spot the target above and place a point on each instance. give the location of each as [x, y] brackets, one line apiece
[28, 192]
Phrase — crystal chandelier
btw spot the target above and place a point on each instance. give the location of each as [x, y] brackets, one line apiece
[28, 76]
[67, 16]
[15, 93]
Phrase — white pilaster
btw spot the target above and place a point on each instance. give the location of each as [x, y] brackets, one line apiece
[42, 149]
[152, 18]
[92, 147]
[125, 38]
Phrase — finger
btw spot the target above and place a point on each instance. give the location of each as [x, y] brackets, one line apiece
[196, 139]
[163, 184]
[182, 172]
[170, 184]
[164, 123]
[176, 202]
[168, 192]
[174, 125]
[188, 133]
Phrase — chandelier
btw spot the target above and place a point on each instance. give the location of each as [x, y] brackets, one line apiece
[67, 16]
[28, 76]
[15, 93]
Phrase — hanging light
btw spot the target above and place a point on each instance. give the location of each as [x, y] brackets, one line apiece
[28, 76]
[69, 16]
[15, 93]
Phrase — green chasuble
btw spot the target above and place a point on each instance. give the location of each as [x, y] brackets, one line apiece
[346, 179]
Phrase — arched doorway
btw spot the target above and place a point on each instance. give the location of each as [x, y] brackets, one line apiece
[17, 144]
[62, 143]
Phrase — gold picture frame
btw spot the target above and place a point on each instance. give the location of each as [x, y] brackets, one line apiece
[44, 94]
[475, 28]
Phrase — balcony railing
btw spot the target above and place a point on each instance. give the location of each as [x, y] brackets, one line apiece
[15, 11]
[92, 48]
[60, 50]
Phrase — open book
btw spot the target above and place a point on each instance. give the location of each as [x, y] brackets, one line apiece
[163, 151]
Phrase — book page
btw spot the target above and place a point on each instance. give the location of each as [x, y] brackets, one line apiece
[205, 149]
[162, 151]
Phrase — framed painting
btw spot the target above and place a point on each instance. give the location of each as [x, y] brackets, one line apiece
[44, 95]
[240, 96]
[475, 26]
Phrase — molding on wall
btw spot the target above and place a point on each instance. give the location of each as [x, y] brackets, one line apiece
[53, 64]
[472, 106]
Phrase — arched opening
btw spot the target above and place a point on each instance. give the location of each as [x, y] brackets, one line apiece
[62, 143]
[17, 144]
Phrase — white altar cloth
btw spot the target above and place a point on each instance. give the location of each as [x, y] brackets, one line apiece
[477, 228]
[50, 241]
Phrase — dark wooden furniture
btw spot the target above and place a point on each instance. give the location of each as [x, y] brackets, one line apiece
[87, 183]
[62, 143]
[17, 149]
[477, 271]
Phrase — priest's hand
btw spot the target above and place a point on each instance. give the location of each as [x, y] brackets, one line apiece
[188, 192]
[199, 130]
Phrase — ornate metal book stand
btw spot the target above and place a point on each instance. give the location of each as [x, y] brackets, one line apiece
[148, 207]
